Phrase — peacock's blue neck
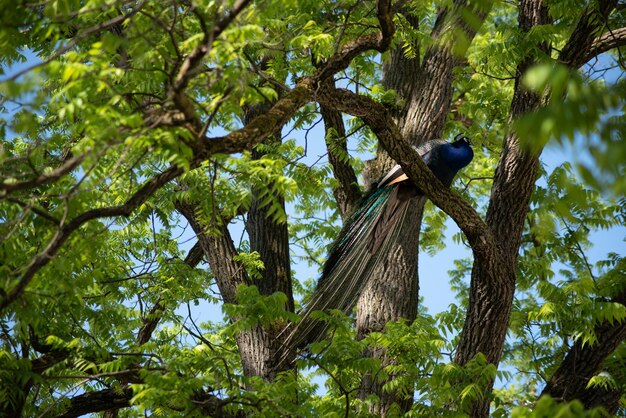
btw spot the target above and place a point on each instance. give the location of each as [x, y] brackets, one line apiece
[457, 155]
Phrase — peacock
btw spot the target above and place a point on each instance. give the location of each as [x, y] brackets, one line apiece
[366, 236]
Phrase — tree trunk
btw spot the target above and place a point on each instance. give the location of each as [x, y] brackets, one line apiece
[391, 297]
[426, 89]
[490, 301]
[391, 293]
[259, 346]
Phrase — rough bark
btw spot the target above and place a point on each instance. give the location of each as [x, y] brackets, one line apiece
[580, 46]
[219, 251]
[490, 301]
[347, 193]
[111, 400]
[102, 400]
[256, 346]
[605, 42]
[427, 109]
[584, 361]
[392, 296]
[270, 238]
[402, 74]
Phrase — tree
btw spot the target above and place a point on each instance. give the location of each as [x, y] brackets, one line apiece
[140, 119]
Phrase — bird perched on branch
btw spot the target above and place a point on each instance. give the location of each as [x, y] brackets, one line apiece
[367, 235]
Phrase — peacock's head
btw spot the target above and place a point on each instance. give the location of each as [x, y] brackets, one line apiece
[459, 152]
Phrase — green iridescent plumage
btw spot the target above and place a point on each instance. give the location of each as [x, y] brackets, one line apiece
[366, 237]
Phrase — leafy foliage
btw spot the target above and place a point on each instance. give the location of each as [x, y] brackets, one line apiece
[91, 113]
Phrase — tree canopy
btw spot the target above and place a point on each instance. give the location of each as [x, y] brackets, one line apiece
[128, 126]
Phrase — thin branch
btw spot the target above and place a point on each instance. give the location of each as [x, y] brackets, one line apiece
[30, 206]
[196, 56]
[53, 175]
[44, 257]
[118, 20]
[580, 249]
[378, 41]
[347, 193]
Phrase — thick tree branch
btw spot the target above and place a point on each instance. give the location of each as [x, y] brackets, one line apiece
[385, 13]
[582, 362]
[577, 49]
[382, 124]
[585, 360]
[260, 127]
[102, 400]
[347, 193]
[219, 250]
[195, 255]
[605, 42]
[268, 237]
[108, 399]
[51, 355]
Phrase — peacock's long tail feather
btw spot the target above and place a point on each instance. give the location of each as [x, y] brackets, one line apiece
[363, 242]
[366, 239]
